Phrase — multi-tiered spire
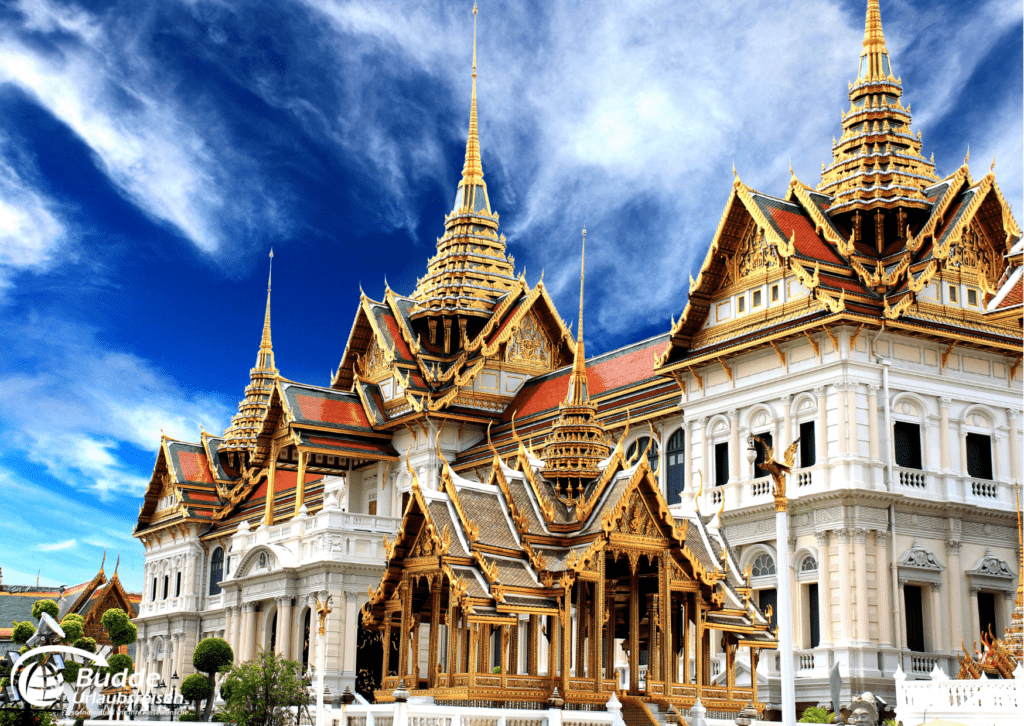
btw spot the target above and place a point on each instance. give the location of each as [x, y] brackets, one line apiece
[578, 442]
[1013, 636]
[241, 433]
[877, 163]
[470, 271]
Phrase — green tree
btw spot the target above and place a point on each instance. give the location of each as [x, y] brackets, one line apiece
[209, 657]
[813, 714]
[73, 626]
[86, 643]
[262, 692]
[22, 632]
[119, 662]
[195, 689]
[45, 606]
[120, 629]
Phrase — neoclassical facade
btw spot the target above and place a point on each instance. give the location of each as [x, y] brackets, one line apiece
[877, 317]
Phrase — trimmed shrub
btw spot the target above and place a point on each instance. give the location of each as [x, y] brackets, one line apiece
[86, 643]
[120, 662]
[45, 606]
[189, 716]
[120, 628]
[73, 627]
[22, 632]
[195, 689]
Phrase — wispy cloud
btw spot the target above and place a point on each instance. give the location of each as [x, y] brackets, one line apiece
[58, 546]
[83, 404]
[168, 153]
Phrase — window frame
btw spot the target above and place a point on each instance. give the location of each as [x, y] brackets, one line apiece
[675, 473]
[216, 572]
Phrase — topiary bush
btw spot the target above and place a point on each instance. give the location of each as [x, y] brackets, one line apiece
[120, 662]
[189, 716]
[813, 714]
[120, 628]
[45, 606]
[209, 657]
[73, 627]
[86, 643]
[195, 689]
[22, 632]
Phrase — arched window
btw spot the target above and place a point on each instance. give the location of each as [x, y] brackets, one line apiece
[273, 634]
[153, 594]
[809, 564]
[216, 570]
[177, 585]
[640, 445]
[676, 453]
[307, 619]
[763, 565]
[167, 582]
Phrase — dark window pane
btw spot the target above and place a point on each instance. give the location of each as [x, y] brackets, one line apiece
[167, 582]
[676, 453]
[807, 442]
[766, 598]
[216, 570]
[154, 589]
[907, 437]
[761, 452]
[979, 456]
[273, 634]
[721, 463]
[812, 612]
[177, 585]
[915, 618]
[987, 614]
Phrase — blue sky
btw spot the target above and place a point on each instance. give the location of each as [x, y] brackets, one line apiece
[151, 154]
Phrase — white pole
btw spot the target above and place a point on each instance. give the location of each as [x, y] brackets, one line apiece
[785, 617]
[320, 679]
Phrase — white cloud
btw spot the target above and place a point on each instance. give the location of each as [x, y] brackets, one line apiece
[58, 546]
[34, 513]
[166, 153]
[84, 403]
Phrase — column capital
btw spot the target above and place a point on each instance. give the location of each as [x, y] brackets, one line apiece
[283, 601]
[352, 596]
[953, 547]
[936, 586]
[734, 414]
[249, 607]
[881, 538]
[975, 589]
[819, 391]
[902, 579]
[860, 535]
[1013, 414]
[822, 538]
[786, 399]
[944, 401]
[873, 389]
[843, 535]
[702, 421]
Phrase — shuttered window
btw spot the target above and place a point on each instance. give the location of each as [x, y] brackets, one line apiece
[676, 453]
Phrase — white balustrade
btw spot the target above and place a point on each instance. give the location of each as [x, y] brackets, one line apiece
[912, 478]
[761, 487]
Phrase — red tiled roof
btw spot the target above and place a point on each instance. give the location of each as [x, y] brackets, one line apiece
[400, 345]
[347, 413]
[1014, 297]
[349, 444]
[807, 241]
[202, 496]
[195, 467]
[285, 480]
[844, 283]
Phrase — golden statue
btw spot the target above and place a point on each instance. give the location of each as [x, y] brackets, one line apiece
[778, 470]
[323, 609]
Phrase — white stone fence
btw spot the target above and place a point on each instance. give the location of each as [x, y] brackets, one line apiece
[991, 702]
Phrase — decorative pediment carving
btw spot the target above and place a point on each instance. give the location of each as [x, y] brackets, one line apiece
[991, 573]
[637, 520]
[919, 565]
[529, 344]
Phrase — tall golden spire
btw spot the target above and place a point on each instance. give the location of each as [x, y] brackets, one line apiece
[241, 433]
[470, 271]
[876, 164]
[473, 170]
[1013, 636]
[577, 442]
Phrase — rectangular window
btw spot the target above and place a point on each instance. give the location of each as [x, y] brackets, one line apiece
[915, 618]
[721, 463]
[767, 439]
[775, 293]
[154, 588]
[972, 298]
[757, 299]
[177, 585]
[907, 437]
[952, 293]
[987, 614]
[741, 304]
[979, 456]
[812, 613]
[167, 582]
[807, 453]
[766, 598]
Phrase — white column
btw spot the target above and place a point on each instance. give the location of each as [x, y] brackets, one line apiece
[229, 625]
[851, 408]
[284, 630]
[734, 445]
[882, 582]
[351, 632]
[691, 430]
[903, 610]
[786, 436]
[963, 451]
[1013, 415]
[785, 619]
[975, 634]
[824, 591]
[822, 427]
[248, 631]
[840, 389]
[860, 562]
[846, 612]
[938, 626]
[944, 442]
[953, 572]
[873, 422]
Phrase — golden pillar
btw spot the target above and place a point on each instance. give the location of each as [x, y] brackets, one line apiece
[634, 635]
[435, 628]
[532, 645]
[597, 625]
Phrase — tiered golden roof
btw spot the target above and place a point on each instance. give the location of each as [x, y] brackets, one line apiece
[578, 443]
[470, 271]
[241, 433]
[877, 162]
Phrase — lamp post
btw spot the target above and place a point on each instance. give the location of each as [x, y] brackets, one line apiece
[174, 699]
[322, 610]
[778, 471]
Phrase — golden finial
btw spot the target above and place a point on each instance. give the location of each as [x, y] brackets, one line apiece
[791, 167]
[734, 174]
[583, 258]
[473, 169]
[968, 157]
[992, 169]
[874, 38]
[266, 354]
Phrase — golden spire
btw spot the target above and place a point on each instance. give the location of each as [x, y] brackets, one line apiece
[472, 170]
[874, 38]
[265, 357]
[577, 395]
[1013, 636]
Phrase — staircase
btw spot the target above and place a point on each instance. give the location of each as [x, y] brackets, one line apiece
[639, 713]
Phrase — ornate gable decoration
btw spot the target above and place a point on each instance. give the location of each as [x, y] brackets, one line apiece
[919, 564]
[637, 520]
[755, 256]
[991, 573]
[529, 344]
